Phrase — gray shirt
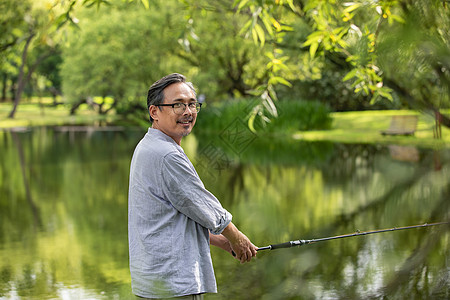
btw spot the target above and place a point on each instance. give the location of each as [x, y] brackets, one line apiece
[170, 214]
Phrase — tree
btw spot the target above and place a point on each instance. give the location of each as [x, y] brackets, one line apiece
[375, 39]
[40, 30]
[143, 45]
[227, 65]
[12, 21]
[118, 51]
[48, 70]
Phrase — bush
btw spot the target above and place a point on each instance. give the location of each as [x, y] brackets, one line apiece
[293, 115]
[300, 115]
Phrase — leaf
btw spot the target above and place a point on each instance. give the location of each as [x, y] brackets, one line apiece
[242, 4]
[266, 21]
[272, 93]
[246, 27]
[398, 19]
[268, 104]
[313, 37]
[276, 61]
[254, 35]
[260, 33]
[366, 90]
[374, 98]
[61, 20]
[270, 55]
[252, 117]
[350, 75]
[278, 51]
[93, 2]
[284, 82]
[291, 5]
[273, 80]
[145, 3]
[342, 43]
[287, 28]
[276, 24]
[386, 94]
[352, 7]
[313, 49]
[338, 30]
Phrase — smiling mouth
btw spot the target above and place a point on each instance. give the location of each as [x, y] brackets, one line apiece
[185, 122]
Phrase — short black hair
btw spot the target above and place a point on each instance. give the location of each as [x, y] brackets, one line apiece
[156, 91]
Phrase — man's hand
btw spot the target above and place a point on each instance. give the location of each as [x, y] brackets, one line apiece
[240, 244]
[221, 241]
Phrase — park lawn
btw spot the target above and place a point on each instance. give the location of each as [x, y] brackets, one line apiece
[32, 114]
[365, 127]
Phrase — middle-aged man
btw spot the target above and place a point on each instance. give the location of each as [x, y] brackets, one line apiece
[172, 218]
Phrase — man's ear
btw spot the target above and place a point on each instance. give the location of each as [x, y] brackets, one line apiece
[153, 111]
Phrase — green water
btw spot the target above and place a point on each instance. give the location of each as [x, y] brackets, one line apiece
[63, 215]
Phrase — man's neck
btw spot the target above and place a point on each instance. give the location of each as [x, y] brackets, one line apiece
[176, 141]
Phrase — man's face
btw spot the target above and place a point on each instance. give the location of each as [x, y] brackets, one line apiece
[164, 118]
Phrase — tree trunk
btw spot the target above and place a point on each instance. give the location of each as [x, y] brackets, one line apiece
[75, 106]
[21, 80]
[444, 120]
[4, 87]
[34, 208]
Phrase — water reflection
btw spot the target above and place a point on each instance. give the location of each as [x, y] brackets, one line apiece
[63, 215]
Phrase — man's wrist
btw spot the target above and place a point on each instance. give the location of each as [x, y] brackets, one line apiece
[231, 233]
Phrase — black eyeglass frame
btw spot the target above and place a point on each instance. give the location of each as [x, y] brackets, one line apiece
[198, 106]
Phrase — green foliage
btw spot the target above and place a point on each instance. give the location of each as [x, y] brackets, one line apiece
[297, 115]
[118, 52]
[384, 51]
[12, 22]
[222, 63]
[415, 55]
[331, 90]
[293, 116]
[370, 40]
[263, 13]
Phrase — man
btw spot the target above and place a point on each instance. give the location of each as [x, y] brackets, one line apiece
[172, 218]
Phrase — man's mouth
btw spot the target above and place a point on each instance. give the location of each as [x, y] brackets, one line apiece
[185, 122]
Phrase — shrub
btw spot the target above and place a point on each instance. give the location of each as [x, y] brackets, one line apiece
[293, 115]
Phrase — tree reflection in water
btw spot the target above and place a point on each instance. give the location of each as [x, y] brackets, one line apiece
[63, 216]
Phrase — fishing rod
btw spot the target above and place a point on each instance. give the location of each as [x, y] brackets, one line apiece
[357, 233]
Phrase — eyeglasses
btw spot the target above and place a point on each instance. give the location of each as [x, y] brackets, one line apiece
[179, 108]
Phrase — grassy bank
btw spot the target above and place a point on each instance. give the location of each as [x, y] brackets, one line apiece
[42, 113]
[365, 127]
[347, 127]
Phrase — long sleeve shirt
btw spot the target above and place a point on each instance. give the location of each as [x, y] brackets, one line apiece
[170, 215]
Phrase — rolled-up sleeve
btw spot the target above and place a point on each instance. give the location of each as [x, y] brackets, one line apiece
[183, 188]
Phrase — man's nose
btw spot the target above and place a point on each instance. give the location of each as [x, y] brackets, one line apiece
[187, 110]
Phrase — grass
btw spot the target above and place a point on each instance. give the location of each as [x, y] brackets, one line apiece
[33, 113]
[348, 127]
[365, 127]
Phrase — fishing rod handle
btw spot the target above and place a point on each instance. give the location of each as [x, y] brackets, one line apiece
[280, 246]
[276, 246]
[284, 245]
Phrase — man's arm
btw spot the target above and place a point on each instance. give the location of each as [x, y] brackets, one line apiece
[220, 241]
[238, 242]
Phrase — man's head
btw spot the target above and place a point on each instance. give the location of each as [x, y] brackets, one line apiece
[166, 99]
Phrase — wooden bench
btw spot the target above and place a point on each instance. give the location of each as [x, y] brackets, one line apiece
[402, 125]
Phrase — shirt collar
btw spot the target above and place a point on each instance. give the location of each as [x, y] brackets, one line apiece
[161, 135]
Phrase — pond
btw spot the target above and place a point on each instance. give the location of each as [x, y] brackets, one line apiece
[63, 215]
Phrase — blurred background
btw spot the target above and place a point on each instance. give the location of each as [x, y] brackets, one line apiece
[296, 93]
